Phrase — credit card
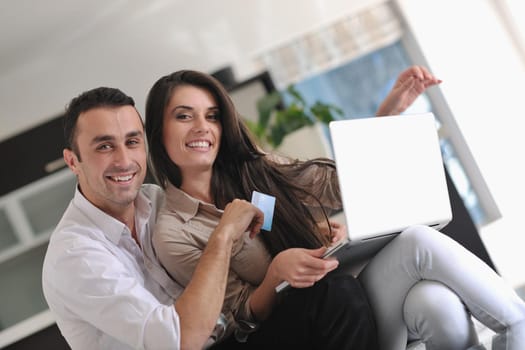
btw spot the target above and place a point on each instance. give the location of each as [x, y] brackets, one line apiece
[266, 204]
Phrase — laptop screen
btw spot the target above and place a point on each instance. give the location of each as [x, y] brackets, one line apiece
[391, 174]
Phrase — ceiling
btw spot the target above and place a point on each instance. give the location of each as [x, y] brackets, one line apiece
[43, 28]
[52, 50]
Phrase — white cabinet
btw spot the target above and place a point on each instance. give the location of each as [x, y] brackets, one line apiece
[27, 218]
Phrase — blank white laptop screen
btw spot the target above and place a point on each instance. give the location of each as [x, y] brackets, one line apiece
[391, 174]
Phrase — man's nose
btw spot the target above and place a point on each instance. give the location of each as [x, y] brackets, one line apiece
[121, 156]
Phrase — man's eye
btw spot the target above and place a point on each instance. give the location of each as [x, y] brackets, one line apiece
[133, 142]
[104, 147]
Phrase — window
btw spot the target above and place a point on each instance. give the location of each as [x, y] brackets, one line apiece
[352, 62]
[358, 87]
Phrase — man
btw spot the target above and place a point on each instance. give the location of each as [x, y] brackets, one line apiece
[101, 278]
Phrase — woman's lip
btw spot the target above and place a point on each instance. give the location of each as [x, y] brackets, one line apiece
[199, 144]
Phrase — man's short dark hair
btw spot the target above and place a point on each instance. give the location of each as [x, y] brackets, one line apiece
[95, 98]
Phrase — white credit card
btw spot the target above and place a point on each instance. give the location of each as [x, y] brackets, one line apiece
[266, 204]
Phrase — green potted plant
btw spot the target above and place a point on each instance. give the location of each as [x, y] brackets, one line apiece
[277, 120]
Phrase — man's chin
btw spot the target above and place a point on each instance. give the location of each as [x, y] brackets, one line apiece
[127, 196]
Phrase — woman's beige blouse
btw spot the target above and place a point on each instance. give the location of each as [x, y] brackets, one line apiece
[184, 225]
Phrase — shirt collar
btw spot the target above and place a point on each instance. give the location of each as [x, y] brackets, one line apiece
[143, 213]
[185, 205]
[111, 227]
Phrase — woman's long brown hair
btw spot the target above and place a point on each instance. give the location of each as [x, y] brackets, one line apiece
[240, 167]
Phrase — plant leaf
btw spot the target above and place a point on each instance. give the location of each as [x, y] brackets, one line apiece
[255, 128]
[296, 94]
[266, 105]
[325, 112]
[277, 120]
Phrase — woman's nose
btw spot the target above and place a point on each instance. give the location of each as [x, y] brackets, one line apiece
[200, 125]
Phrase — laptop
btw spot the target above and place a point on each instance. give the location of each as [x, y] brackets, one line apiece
[391, 176]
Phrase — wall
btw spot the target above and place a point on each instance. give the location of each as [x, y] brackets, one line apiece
[67, 47]
[466, 46]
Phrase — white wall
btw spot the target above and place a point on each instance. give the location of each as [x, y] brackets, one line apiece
[483, 78]
[66, 47]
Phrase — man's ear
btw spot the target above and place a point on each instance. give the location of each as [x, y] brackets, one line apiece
[71, 159]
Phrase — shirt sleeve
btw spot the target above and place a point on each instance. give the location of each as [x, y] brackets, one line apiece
[321, 180]
[90, 280]
[319, 176]
[249, 264]
[179, 247]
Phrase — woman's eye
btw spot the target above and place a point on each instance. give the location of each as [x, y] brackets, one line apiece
[214, 116]
[183, 116]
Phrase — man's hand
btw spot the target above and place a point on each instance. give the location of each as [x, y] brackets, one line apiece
[241, 216]
[411, 83]
[201, 302]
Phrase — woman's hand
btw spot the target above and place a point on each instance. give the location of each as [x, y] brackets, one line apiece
[301, 268]
[335, 232]
[411, 83]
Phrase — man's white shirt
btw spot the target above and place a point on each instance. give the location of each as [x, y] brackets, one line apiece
[104, 290]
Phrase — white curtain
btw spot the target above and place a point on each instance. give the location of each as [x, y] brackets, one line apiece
[331, 45]
[512, 13]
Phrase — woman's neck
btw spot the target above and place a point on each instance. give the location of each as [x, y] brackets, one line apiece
[198, 185]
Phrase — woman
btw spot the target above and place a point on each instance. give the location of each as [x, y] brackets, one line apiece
[197, 135]
[204, 157]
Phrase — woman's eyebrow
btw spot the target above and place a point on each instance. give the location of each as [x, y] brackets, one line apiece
[182, 107]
